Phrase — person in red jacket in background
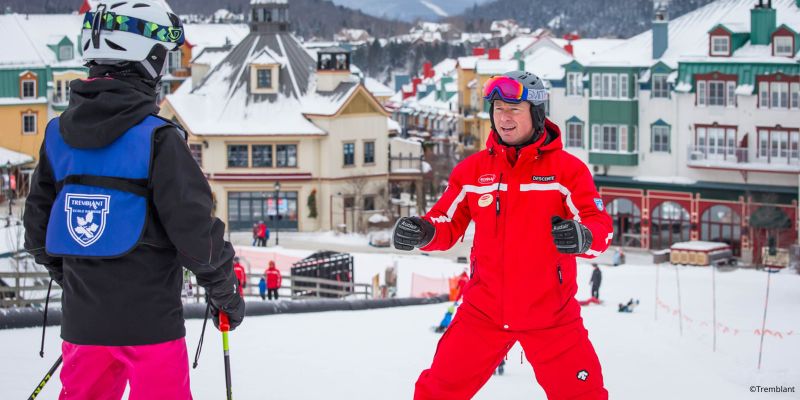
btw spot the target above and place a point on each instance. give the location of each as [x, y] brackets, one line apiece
[274, 280]
[535, 209]
[241, 275]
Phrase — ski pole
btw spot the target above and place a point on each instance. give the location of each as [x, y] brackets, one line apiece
[202, 334]
[224, 327]
[46, 378]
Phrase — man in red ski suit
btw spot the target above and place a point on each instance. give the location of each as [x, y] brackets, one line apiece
[536, 209]
[241, 275]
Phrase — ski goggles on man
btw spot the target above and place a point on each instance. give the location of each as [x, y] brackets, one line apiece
[109, 21]
[511, 90]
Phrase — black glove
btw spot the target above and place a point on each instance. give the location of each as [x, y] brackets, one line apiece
[411, 232]
[570, 237]
[225, 298]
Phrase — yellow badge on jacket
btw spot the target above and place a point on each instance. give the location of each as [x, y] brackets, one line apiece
[485, 200]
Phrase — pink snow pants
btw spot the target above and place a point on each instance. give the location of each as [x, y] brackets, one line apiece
[154, 372]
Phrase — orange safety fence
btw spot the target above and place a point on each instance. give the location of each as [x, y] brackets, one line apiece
[722, 328]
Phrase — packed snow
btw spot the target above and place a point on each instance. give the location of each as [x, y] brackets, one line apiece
[379, 353]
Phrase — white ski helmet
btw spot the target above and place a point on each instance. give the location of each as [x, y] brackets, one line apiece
[138, 31]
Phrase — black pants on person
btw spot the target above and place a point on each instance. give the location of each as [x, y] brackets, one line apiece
[271, 292]
[596, 291]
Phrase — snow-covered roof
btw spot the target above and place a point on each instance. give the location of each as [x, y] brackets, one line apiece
[496, 67]
[377, 88]
[202, 36]
[269, 1]
[547, 62]
[688, 35]
[14, 158]
[222, 103]
[468, 62]
[393, 125]
[28, 38]
[211, 56]
[520, 43]
[697, 245]
[445, 67]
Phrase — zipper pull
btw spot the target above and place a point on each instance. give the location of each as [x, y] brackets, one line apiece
[560, 279]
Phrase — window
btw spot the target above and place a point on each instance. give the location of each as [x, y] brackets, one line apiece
[575, 134]
[369, 152]
[197, 152]
[660, 139]
[574, 84]
[29, 124]
[623, 138]
[349, 150]
[716, 142]
[28, 89]
[623, 86]
[720, 45]
[778, 146]
[369, 203]
[262, 155]
[731, 93]
[795, 95]
[597, 85]
[763, 94]
[701, 93]
[264, 78]
[349, 202]
[610, 138]
[780, 94]
[62, 91]
[286, 155]
[660, 86]
[173, 61]
[65, 53]
[782, 46]
[237, 155]
[716, 93]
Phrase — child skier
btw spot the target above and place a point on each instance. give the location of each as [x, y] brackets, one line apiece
[117, 205]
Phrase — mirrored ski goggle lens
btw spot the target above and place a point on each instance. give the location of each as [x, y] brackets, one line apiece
[506, 87]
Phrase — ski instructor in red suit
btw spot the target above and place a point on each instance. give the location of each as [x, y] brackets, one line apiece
[535, 209]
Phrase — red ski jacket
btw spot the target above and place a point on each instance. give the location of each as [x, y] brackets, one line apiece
[241, 275]
[274, 278]
[519, 280]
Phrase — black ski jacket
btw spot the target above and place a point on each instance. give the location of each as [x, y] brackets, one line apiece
[134, 299]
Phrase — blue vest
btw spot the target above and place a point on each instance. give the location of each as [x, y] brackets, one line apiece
[102, 195]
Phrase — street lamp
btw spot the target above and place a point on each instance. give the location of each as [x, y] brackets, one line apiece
[277, 212]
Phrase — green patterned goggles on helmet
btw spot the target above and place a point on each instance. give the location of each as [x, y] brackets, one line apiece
[110, 21]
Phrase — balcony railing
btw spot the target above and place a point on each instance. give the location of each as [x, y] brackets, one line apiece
[772, 159]
[399, 164]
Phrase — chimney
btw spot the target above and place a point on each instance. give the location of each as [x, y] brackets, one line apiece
[333, 68]
[494, 54]
[660, 31]
[427, 70]
[478, 51]
[762, 23]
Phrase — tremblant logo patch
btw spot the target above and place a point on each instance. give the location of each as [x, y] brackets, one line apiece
[485, 200]
[550, 178]
[599, 204]
[86, 216]
[486, 179]
[583, 375]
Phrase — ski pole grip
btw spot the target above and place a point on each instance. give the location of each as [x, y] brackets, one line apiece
[224, 324]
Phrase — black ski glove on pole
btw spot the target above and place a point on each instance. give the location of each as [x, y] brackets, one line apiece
[225, 298]
[411, 232]
[570, 237]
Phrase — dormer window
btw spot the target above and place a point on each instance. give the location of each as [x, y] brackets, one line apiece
[783, 46]
[264, 78]
[65, 53]
[28, 85]
[720, 45]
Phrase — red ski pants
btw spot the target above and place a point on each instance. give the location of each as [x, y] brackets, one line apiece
[563, 360]
[154, 372]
